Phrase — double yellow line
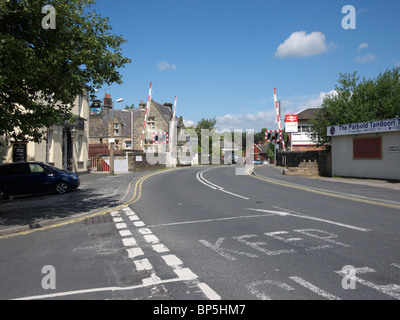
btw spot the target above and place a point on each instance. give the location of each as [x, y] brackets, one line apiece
[137, 194]
[325, 193]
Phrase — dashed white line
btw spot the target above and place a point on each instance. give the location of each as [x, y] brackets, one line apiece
[134, 252]
[129, 242]
[143, 264]
[120, 226]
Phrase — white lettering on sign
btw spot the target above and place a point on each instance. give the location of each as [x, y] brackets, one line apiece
[386, 125]
[261, 246]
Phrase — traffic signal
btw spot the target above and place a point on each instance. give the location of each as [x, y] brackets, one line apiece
[273, 135]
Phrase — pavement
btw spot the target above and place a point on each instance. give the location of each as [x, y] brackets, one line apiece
[389, 184]
[98, 192]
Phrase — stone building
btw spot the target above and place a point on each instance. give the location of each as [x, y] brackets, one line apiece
[128, 126]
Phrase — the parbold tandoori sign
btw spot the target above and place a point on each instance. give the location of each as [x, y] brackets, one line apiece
[387, 125]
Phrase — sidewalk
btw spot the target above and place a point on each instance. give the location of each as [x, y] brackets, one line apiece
[97, 192]
[389, 184]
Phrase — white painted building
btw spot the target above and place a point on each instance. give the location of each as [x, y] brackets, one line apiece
[367, 149]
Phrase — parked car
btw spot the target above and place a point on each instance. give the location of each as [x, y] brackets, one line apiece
[257, 162]
[35, 177]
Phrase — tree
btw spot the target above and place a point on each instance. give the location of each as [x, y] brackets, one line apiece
[43, 70]
[357, 101]
[206, 124]
[259, 138]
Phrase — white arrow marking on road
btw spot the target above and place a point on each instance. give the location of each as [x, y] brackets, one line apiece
[304, 216]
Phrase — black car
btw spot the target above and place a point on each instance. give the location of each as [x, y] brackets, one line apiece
[35, 177]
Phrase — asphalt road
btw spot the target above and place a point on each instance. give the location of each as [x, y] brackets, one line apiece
[215, 233]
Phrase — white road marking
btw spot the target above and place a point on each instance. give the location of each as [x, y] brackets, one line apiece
[260, 294]
[150, 238]
[395, 265]
[145, 231]
[213, 186]
[93, 290]
[117, 219]
[160, 248]
[315, 289]
[211, 220]
[124, 233]
[129, 242]
[134, 218]
[185, 274]
[210, 293]
[172, 260]
[121, 225]
[392, 290]
[143, 264]
[304, 216]
[134, 252]
[138, 224]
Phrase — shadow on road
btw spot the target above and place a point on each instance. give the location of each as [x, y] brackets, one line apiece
[32, 210]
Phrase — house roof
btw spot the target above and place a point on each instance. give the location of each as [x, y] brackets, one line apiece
[307, 114]
[99, 126]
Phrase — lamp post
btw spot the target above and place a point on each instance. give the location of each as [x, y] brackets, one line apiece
[112, 137]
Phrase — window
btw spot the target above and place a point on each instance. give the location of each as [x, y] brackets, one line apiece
[17, 169]
[35, 168]
[151, 123]
[49, 144]
[128, 144]
[116, 129]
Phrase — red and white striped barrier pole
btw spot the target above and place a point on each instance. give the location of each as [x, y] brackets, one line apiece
[278, 118]
[145, 115]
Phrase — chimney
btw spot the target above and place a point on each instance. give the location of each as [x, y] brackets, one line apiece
[169, 105]
[107, 100]
[142, 105]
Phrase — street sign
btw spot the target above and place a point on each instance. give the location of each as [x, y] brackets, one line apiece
[291, 123]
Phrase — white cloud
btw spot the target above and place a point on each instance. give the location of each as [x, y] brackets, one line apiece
[301, 44]
[248, 121]
[163, 66]
[362, 46]
[267, 119]
[369, 57]
[188, 123]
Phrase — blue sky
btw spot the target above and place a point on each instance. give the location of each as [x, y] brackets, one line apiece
[223, 58]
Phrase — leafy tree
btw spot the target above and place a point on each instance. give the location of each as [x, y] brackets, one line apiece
[259, 137]
[357, 101]
[43, 70]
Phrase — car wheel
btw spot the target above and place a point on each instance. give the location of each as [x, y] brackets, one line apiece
[62, 187]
